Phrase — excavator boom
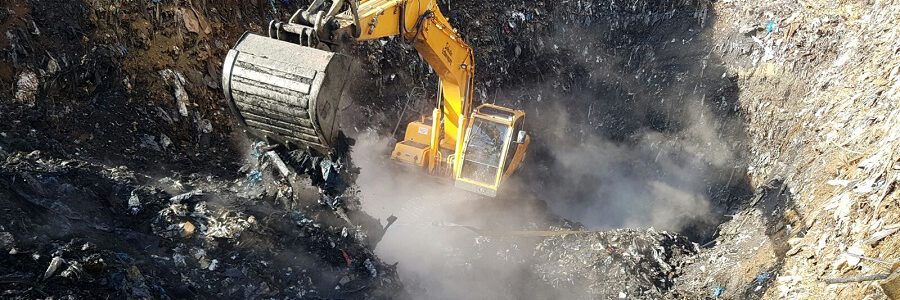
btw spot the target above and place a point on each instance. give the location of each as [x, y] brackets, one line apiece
[287, 88]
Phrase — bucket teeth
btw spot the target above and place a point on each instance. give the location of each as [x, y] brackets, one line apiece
[285, 92]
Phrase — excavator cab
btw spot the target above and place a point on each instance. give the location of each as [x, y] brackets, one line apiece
[493, 148]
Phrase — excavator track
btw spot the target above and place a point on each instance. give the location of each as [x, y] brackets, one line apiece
[284, 92]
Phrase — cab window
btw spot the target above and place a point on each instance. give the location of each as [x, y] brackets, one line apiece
[484, 150]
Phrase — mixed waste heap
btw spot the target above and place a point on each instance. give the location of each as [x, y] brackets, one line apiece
[613, 264]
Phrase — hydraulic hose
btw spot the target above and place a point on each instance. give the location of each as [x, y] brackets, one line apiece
[418, 25]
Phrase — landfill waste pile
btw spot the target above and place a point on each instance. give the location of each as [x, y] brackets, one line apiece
[119, 176]
[682, 149]
[613, 264]
[820, 88]
[80, 229]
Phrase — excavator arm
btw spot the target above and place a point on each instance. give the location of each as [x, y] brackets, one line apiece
[286, 88]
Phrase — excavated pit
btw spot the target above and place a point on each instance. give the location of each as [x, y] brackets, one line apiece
[681, 149]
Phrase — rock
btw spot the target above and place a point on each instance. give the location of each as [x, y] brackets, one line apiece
[149, 142]
[134, 274]
[52, 66]
[191, 22]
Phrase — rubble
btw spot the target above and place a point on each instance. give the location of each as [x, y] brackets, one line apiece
[207, 249]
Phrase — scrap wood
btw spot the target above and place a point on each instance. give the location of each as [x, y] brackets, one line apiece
[895, 265]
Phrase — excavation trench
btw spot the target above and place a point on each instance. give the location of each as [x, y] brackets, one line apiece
[634, 127]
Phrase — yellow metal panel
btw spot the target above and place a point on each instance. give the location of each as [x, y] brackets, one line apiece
[410, 153]
[444, 50]
[418, 132]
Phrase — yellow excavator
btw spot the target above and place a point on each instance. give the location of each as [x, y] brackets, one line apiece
[286, 88]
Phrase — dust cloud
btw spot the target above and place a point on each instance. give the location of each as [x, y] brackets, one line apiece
[437, 257]
[651, 179]
[635, 121]
[634, 124]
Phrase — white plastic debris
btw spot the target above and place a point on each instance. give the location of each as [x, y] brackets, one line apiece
[54, 265]
[842, 206]
[177, 81]
[134, 203]
[73, 270]
[838, 182]
[279, 163]
[185, 196]
[27, 87]
[854, 259]
[865, 187]
[52, 66]
[165, 141]
[371, 267]
[881, 234]
[205, 126]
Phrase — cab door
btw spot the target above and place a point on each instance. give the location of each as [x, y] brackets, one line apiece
[493, 147]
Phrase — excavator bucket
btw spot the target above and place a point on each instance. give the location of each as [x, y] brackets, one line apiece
[285, 93]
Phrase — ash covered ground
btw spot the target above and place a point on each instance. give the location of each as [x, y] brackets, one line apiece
[682, 150]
